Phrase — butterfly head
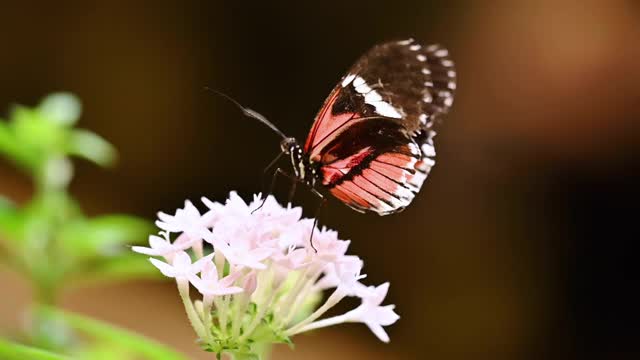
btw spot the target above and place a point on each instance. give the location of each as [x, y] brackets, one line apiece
[289, 145]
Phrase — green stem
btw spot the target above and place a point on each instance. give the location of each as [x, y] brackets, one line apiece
[331, 301]
[243, 357]
[192, 314]
[13, 351]
[260, 351]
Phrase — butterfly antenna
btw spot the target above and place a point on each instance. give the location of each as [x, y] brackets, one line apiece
[248, 112]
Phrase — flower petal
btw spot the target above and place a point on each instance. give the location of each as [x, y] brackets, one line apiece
[378, 331]
[165, 269]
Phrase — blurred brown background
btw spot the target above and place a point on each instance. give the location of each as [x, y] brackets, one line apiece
[521, 243]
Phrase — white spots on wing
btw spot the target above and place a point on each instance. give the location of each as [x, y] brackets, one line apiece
[426, 71]
[384, 208]
[404, 194]
[413, 148]
[363, 89]
[361, 86]
[447, 63]
[430, 135]
[428, 83]
[419, 178]
[410, 165]
[451, 73]
[348, 79]
[416, 181]
[441, 53]
[433, 47]
[373, 98]
[444, 93]
[388, 209]
[451, 85]
[423, 119]
[428, 162]
[421, 57]
[405, 42]
[428, 150]
[424, 167]
[359, 82]
[415, 47]
[447, 97]
[386, 109]
[427, 98]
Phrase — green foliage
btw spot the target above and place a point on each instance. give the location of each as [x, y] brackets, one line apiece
[112, 342]
[40, 139]
[52, 242]
[49, 238]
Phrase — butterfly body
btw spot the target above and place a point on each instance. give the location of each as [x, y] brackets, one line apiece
[304, 169]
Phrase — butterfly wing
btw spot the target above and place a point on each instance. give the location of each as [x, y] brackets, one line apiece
[373, 136]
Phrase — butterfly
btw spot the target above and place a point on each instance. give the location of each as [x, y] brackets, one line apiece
[371, 144]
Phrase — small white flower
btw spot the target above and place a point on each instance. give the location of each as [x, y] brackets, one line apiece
[163, 247]
[181, 267]
[293, 259]
[241, 252]
[344, 274]
[348, 274]
[187, 220]
[329, 248]
[371, 313]
[208, 283]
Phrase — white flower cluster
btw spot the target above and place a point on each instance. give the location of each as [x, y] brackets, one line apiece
[263, 281]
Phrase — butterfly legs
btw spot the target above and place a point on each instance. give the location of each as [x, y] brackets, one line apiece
[323, 201]
[294, 183]
[273, 180]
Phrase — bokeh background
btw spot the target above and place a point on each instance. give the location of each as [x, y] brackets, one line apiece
[522, 242]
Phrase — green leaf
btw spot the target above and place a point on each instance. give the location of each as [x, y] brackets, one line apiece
[104, 235]
[90, 146]
[11, 221]
[14, 149]
[42, 137]
[7, 141]
[61, 108]
[107, 333]
[104, 352]
[13, 351]
[57, 207]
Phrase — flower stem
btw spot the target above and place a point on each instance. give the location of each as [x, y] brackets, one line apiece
[264, 305]
[194, 319]
[320, 324]
[331, 301]
[284, 304]
[241, 301]
[259, 351]
[296, 296]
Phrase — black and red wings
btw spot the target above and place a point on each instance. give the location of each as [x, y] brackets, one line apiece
[373, 137]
